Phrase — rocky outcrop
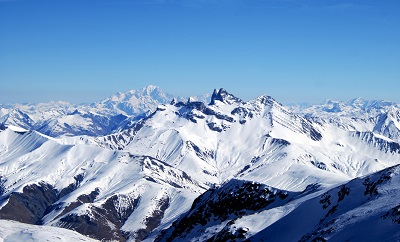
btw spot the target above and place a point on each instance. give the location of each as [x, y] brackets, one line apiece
[31, 205]
[233, 200]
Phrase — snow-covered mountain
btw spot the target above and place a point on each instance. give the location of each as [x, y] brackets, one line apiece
[259, 140]
[132, 103]
[364, 209]
[193, 170]
[59, 119]
[380, 117]
[88, 189]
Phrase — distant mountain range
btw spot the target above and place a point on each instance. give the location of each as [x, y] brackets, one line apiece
[58, 119]
[145, 165]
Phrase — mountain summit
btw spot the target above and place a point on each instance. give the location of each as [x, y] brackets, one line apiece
[134, 102]
[223, 96]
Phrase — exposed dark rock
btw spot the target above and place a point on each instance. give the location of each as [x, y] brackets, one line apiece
[230, 233]
[223, 96]
[179, 104]
[120, 140]
[71, 187]
[2, 188]
[30, 205]
[105, 222]
[89, 198]
[95, 226]
[234, 199]
[393, 214]
[118, 213]
[196, 105]
[209, 111]
[384, 145]
[154, 220]
[206, 154]
[319, 165]
[343, 192]
[370, 187]
[84, 198]
[325, 200]
[214, 127]
[310, 130]
[242, 112]
[281, 142]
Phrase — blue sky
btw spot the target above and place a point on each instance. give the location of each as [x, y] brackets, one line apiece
[293, 50]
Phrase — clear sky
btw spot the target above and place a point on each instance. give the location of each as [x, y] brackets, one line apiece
[293, 50]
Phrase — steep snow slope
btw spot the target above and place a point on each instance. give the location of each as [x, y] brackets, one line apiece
[364, 209]
[17, 118]
[79, 123]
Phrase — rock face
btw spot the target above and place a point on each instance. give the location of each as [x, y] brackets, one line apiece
[223, 96]
[103, 222]
[29, 206]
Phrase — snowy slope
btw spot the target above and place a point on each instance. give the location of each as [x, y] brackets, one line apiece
[364, 209]
[76, 186]
[378, 116]
[11, 231]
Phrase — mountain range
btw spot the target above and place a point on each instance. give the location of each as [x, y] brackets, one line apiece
[145, 165]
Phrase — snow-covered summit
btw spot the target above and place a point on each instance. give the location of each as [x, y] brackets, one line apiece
[100, 118]
[134, 102]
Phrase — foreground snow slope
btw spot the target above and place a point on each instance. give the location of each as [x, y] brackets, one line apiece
[11, 231]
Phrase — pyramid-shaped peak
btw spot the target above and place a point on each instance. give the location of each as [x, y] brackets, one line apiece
[223, 96]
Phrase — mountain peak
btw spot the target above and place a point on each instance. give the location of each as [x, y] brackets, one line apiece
[150, 89]
[357, 102]
[223, 96]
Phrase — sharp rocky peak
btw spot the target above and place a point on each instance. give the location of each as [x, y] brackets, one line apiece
[223, 96]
